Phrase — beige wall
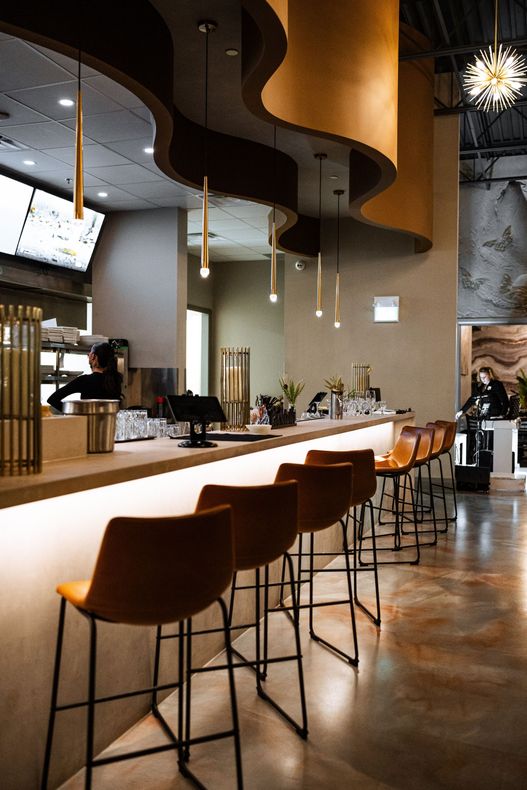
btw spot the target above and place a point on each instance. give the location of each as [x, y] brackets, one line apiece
[244, 316]
[140, 285]
[414, 361]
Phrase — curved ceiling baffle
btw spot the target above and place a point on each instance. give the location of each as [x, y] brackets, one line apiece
[407, 204]
[238, 167]
[338, 80]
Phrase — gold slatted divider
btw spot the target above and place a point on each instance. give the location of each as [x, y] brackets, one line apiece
[20, 417]
[360, 377]
[235, 378]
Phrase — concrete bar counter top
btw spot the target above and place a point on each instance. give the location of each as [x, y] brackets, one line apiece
[133, 460]
[51, 526]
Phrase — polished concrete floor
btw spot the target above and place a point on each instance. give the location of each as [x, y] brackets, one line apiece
[439, 699]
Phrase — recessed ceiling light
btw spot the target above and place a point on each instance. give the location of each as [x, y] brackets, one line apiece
[148, 150]
[102, 194]
[231, 52]
[66, 102]
[29, 162]
[333, 178]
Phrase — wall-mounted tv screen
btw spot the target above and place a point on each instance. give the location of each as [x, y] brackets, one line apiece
[14, 204]
[51, 235]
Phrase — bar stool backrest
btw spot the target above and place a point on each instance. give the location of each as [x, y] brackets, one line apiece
[439, 438]
[264, 519]
[363, 462]
[324, 493]
[450, 438]
[152, 571]
[426, 442]
[405, 450]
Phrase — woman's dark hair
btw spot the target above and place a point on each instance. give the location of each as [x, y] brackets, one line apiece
[488, 371]
[112, 380]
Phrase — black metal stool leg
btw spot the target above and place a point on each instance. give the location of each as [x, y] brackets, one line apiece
[231, 598]
[54, 694]
[234, 707]
[453, 478]
[157, 657]
[91, 702]
[443, 494]
[376, 618]
[188, 686]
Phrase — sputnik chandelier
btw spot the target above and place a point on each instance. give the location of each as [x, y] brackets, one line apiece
[495, 79]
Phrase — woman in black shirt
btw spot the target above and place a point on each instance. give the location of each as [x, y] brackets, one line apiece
[103, 382]
[491, 397]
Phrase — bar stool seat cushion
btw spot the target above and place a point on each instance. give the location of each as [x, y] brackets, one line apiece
[75, 592]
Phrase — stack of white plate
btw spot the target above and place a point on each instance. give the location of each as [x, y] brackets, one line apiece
[89, 340]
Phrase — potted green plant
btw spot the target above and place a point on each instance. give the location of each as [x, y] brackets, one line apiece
[291, 389]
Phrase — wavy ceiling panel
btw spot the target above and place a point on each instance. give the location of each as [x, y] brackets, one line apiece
[407, 204]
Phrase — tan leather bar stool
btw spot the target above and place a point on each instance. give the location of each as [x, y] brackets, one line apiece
[264, 528]
[422, 461]
[363, 489]
[324, 494]
[451, 430]
[151, 571]
[440, 440]
[396, 466]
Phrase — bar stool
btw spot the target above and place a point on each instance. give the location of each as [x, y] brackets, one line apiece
[422, 460]
[397, 465]
[451, 430]
[324, 494]
[151, 571]
[363, 489]
[264, 528]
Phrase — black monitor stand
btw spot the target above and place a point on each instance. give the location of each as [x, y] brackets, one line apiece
[196, 410]
[197, 439]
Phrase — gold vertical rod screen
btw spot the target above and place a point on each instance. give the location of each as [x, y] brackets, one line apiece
[360, 376]
[20, 418]
[78, 186]
[234, 386]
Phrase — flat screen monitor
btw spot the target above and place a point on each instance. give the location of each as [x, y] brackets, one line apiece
[196, 410]
[51, 235]
[15, 198]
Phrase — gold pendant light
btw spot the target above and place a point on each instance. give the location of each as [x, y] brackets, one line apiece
[495, 79]
[273, 295]
[78, 184]
[318, 309]
[338, 193]
[206, 27]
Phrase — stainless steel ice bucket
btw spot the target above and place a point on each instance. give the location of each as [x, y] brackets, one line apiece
[335, 405]
[101, 416]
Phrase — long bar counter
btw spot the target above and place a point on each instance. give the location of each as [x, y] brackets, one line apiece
[50, 531]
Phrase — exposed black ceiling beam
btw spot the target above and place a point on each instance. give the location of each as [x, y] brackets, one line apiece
[462, 49]
[469, 108]
[492, 149]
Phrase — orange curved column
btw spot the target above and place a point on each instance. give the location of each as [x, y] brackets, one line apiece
[407, 205]
[339, 75]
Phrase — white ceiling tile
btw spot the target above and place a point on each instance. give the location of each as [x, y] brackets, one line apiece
[57, 178]
[143, 112]
[15, 160]
[254, 210]
[114, 194]
[94, 156]
[124, 174]
[134, 204]
[114, 91]
[134, 150]
[43, 135]
[68, 64]
[18, 114]
[21, 66]
[155, 189]
[45, 99]
[121, 125]
[185, 202]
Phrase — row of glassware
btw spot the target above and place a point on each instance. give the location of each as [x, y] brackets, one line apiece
[133, 424]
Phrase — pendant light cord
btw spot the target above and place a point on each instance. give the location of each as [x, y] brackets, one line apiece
[274, 172]
[495, 29]
[338, 232]
[206, 152]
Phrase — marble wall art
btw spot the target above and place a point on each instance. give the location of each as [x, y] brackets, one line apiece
[493, 251]
[503, 348]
